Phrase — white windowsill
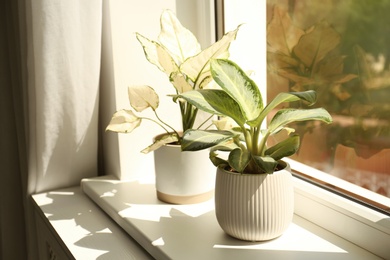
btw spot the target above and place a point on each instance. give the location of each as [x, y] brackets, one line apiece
[192, 232]
[70, 226]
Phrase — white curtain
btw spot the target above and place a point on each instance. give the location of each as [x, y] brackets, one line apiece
[52, 129]
[64, 65]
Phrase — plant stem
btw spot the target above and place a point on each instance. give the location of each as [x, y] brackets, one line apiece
[164, 124]
[154, 121]
[188, 118]
[256, 142]
[210, 125]
[262, 144]
[248, 138]
[196, 82]
[204, 122]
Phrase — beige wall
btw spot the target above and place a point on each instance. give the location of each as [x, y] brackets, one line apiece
[124, 64]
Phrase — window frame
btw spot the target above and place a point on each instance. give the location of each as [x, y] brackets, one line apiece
[343, 188]
[336, 205]
[349, 219]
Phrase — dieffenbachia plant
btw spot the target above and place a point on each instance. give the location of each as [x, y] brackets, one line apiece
[240, 99]
[178, 54]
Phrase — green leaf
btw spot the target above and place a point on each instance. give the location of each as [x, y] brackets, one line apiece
[215, 101]
[309, 96]
[143, 97]
[165, 139]
[178, 40]
[239, 159]
[265, 163]
[226, 146]
[195, 140]
[199, 64]
[196, 99]
[217, 161]
[286, 116]
[157, 55]
[224, 104]
[123, 121]
[285, 148]
[232, 79]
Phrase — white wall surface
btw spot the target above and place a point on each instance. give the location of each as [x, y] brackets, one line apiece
[249, 49]
[124, 64]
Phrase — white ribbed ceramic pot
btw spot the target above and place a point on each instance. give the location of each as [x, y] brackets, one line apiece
[254, 207]
[183, 177]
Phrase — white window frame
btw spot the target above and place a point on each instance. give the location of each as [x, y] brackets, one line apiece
[355, 222]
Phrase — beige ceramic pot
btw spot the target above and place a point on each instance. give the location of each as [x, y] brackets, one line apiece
[254, 207]
[183, 177]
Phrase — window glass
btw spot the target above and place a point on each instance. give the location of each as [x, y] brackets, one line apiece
[341, 49]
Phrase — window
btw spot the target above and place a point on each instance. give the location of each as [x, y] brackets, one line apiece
[340, 49]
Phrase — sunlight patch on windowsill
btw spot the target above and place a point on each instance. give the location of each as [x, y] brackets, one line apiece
[289, 241]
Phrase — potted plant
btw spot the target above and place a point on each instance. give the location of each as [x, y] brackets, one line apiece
[253, 192]
[177, 53]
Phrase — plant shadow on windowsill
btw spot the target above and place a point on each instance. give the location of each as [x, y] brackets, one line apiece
[97, 235]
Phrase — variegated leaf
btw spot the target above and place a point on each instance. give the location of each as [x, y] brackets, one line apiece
[194, 140]
[166, 139]
[233, 80]
[143, 97]
[239, 159]
[198, 64]
[179, 82]
[309, 96]
[287, 147]
[215, 101]
[157, 55]
[123, 121]
[286, 116]
[266, 163]
[178, 40]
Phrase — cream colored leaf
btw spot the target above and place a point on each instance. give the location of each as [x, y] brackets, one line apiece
[143, 97]
[178, 40]
[206, 81]
[166, 139]
[123, 121]
[200, 63]
[224, 123]
[180, 83]
[157, 55]
[289, 130]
